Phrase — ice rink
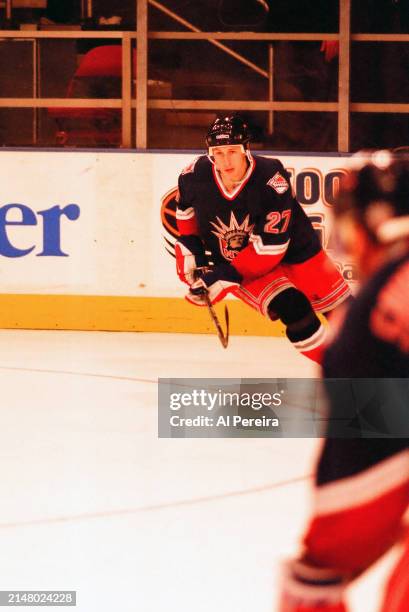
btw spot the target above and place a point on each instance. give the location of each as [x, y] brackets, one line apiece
[93, 501]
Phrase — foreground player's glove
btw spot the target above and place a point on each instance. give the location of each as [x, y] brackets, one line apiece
[190, 254]
[217, 282]
[305, 588]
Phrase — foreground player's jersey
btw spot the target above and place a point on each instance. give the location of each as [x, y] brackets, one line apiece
[374, 339]
[261, 216]
[362, 486]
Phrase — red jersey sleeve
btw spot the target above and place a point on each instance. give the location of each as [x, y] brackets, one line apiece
[358, 517]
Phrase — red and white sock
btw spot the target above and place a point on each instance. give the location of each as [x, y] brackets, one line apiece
[310, 342]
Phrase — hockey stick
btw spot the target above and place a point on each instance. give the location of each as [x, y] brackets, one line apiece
[223, 336]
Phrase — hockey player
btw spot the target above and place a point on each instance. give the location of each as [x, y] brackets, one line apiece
[362, 482]
[237, 212]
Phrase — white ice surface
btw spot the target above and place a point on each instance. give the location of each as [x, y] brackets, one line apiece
[93, 501]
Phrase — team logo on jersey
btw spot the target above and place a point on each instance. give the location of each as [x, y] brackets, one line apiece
[278, 183]
[233, 237]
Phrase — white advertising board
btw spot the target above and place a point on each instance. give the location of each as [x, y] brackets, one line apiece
[89, 223]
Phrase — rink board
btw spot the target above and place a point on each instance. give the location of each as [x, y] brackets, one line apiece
[86, 240]
[169, 315]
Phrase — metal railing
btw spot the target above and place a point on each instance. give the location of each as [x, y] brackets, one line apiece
[142, 103]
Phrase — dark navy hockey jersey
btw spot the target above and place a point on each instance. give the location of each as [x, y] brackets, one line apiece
[373, 341]
[362, 481]
[256, 226]
[371, 353]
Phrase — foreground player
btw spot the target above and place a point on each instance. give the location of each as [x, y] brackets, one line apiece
[237, 212]
[362, 484]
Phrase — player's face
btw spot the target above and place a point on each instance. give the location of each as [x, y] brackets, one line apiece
[230, 161]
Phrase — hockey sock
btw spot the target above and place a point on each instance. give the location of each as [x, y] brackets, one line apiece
[309, 339]
[303, 327]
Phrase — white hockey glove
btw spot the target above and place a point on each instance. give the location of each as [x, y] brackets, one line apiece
[217, 282]
[305, 588]
[190, 254]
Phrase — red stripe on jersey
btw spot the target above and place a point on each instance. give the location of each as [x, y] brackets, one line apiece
[252, 265]
[355, 538]
[397, 590]
[260, 295]
[188, 226]
[332, 300]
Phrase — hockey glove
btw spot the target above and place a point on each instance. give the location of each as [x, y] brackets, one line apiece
[190, 254]
[217, 282]
[305, 588]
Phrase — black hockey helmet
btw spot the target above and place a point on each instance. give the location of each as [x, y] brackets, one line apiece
[376, 194]
[229, 130]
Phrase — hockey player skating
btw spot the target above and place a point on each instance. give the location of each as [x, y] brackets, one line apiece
[237, 212]
[362, 480]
